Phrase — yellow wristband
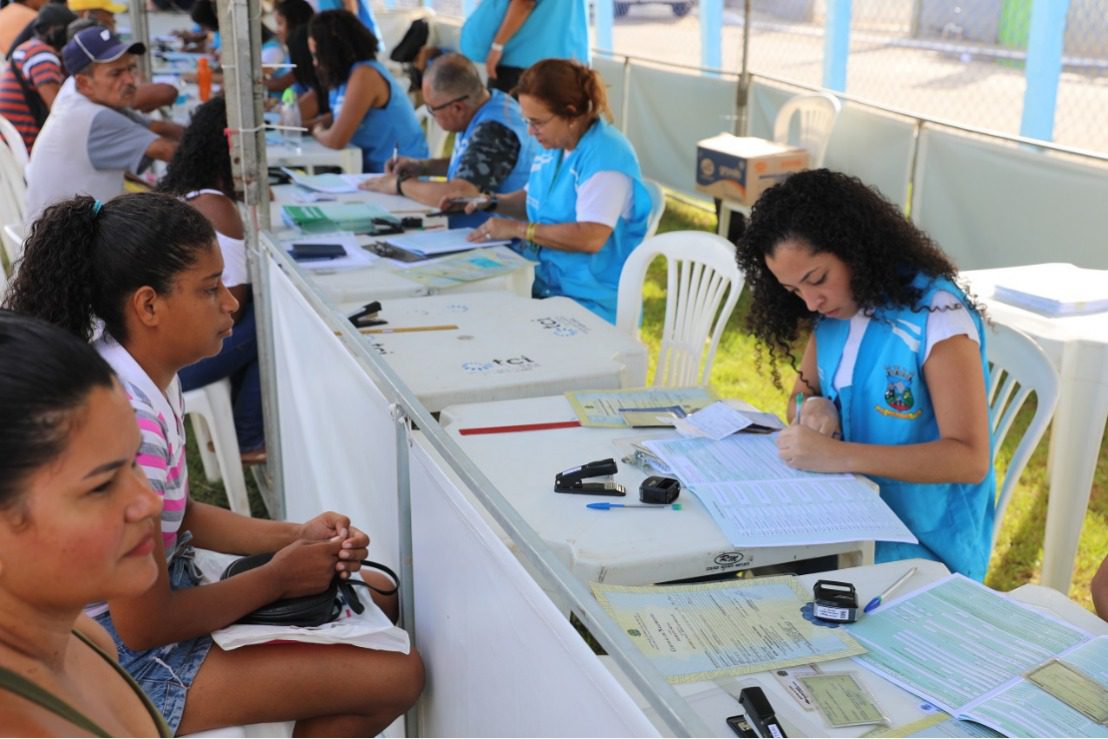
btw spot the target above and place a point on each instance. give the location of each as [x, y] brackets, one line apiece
[529, 235]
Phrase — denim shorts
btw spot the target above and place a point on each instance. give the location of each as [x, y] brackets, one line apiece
[166, 673]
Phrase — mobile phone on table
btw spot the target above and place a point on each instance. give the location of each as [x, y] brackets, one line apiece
[307, 252]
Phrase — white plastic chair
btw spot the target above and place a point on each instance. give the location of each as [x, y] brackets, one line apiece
[1017, 368]
[805, 121]
[13, 188]
[13, 243]
[703, 283]
[657, 206]
[436, 136]
[14, 141]
[213, 422]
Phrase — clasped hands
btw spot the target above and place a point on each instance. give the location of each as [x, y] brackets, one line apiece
[813, 442]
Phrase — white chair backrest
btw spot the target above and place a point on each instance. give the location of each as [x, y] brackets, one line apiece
[14, 141]
[13, 243]
[815, 116]
[703, 283]
[13, 188]
[657, 206]
[1017, 368]
[436, 136]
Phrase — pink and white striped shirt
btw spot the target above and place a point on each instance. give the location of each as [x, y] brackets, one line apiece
[161, 420]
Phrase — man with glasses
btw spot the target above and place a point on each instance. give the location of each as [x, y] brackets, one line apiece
[92, 137]
[492, 151]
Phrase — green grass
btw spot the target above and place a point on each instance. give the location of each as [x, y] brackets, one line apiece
[1018, 552]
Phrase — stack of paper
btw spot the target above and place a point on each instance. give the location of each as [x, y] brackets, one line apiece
[430, 243]
[1056, 289]
[331, 217]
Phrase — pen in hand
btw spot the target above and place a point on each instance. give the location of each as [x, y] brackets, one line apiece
[395, 155]
[799, 405]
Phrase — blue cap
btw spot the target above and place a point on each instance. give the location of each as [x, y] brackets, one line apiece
[96, 44]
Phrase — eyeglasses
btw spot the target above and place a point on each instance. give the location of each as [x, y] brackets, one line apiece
[447, 104]
[537, 124]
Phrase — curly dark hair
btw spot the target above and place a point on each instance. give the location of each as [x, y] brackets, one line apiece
[81, 263]
[832, 212]
[341, 40]
[202, 159]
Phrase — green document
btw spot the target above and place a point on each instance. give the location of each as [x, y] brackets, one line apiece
[703, 632]
[1077, 690]
[469, 266]
[601, 408]
[842, 700]
[332, 217]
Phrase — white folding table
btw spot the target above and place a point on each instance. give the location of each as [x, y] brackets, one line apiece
[1078, 347]
[624, 547]
[504, 346]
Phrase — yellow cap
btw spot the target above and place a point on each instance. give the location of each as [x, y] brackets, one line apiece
[78, 5]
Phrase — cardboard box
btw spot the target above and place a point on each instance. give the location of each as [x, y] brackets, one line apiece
[740, 169]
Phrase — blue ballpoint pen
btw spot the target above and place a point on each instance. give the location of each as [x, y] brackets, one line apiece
[888, 591]
[610, 506]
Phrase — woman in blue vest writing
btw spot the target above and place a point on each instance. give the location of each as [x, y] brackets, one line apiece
[892, 380]
[368, 107]
[585, 207]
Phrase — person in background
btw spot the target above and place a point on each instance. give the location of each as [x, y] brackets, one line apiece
[71, 500]
[200, 174]
[526, 32]
[585, 207]
[292, 19]
[492, 150]
[149, 96]
[34, 74]
[1099, 589]
[102, 12]
[91, 137]
[892, 378]
[14, 17]
[368, 108]
[148, 269]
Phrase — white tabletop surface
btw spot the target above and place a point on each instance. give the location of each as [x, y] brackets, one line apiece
[624, 547]
[714, 705]
[310, 153]
[382, 280]
[505, 346]
[1078, 347]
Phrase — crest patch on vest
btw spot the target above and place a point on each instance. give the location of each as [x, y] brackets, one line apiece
[899, 400]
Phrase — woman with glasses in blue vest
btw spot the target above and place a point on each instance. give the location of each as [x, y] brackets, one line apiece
[585, 207]
[893, 373]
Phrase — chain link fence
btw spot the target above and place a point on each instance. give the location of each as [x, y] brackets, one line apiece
[956, 60]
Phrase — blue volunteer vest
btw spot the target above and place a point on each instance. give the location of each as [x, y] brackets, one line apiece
[888, 403]
[505, 110]
[555, 29]
[383, 128]
[590, 279]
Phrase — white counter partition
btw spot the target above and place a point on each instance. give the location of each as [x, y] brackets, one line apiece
[997, 204]
[502, 659]
[338, 444]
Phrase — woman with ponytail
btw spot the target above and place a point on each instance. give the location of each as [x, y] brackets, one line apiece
[146, 269]
[585, 206]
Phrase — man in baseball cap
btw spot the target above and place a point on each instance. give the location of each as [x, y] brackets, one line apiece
[92, 137]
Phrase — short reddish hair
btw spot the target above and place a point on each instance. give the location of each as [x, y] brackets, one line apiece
[567, 87]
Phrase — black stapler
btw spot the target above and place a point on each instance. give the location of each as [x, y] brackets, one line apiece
[367, 316]
[573, 479]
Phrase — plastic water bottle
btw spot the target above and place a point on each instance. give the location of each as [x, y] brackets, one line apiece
[203, 79]
[290, 116]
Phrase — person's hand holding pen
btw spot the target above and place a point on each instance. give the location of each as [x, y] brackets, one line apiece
[819, 414]
[811, 442]
[403, 166]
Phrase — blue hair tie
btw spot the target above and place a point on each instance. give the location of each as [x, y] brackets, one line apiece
[96, 206]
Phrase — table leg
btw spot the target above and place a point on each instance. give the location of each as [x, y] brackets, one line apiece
[1076, 436]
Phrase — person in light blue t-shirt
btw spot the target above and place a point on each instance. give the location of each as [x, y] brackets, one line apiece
[892, 379]
[585, 207]
[368, 107]
[511, 35]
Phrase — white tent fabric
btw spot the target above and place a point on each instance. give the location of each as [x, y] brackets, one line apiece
[993, 204]
[492, 637]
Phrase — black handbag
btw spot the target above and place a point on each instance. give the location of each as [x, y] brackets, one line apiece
[308, 610]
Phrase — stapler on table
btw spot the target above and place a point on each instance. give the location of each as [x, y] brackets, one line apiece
[573, 479]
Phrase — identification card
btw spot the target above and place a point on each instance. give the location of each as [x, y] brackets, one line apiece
[842, 700]
[1074, 688]
[789, 679]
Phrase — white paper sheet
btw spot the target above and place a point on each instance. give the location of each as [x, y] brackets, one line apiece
[356, 257]
[717, 421]
[439, 242]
